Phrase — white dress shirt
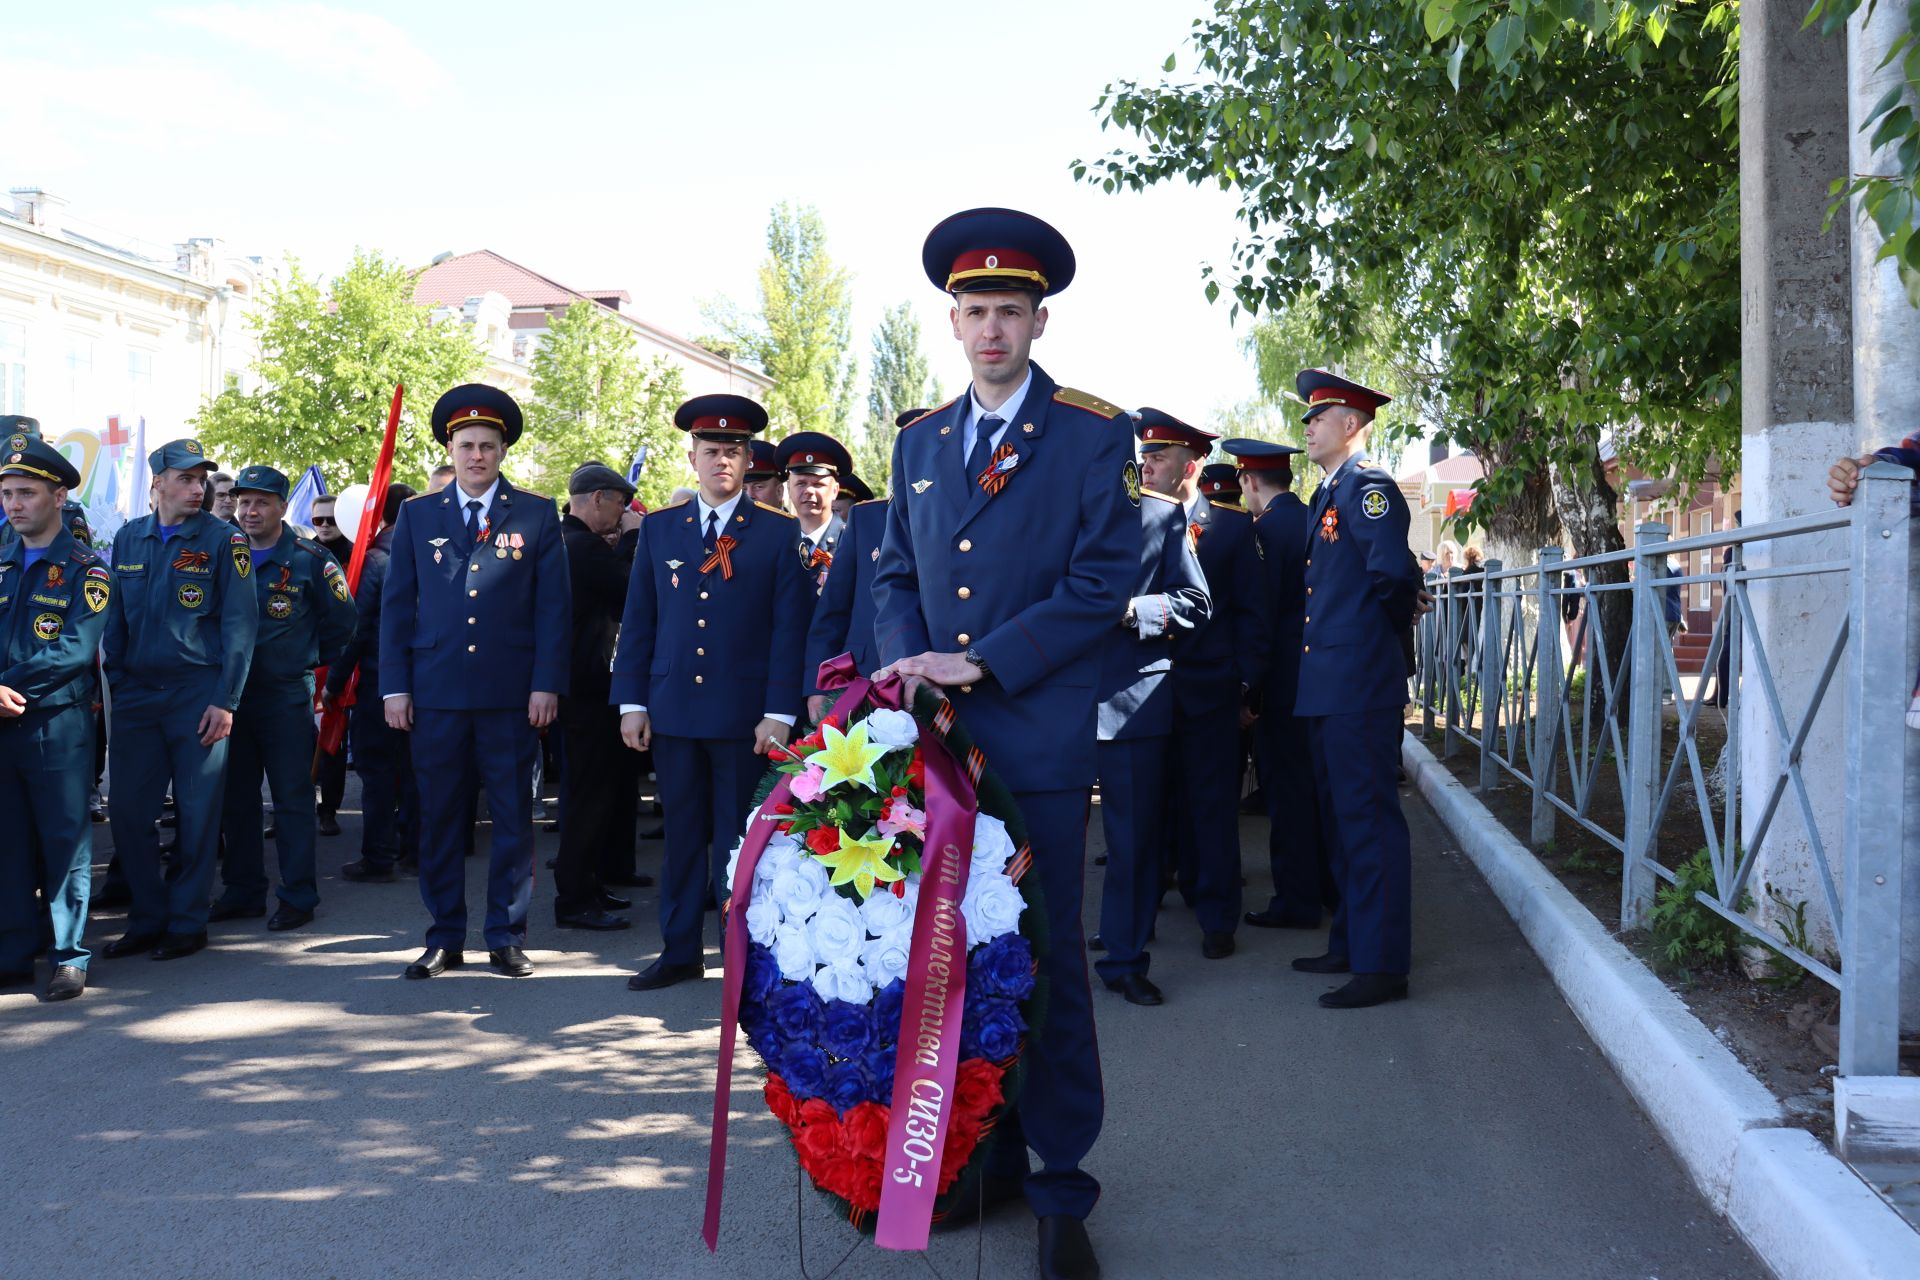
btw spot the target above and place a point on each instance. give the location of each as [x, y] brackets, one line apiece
[1008, 410]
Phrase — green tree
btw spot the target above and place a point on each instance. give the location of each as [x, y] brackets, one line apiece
[593, 398]
[898, 379]
[329, 359]
[803, 330]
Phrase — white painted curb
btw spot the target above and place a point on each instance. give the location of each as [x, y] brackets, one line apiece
[1802, 1210]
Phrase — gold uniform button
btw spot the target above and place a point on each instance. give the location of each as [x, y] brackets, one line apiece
[966, 544]
[473, 593]
[699, 679]
[1309, 564]
[703, 595]
[964, 638]
[1306, 648]
[966, 688]
[699, 653]
[1308, 618]
[700, 622]
[472, 621]
[473, 648]
[965, 593]
[1309, 590]
[473, 568]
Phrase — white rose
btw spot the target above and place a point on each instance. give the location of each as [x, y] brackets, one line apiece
[992, 907]
[762, 918]
[992, 847]
[792, 952]
[843, 980]
[883, 913]
[892, 729]
[835, 930]
[733, 863]
[799, 889]
[885, 957]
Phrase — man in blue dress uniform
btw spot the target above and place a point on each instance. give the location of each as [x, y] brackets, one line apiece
[852, 489]
[707, 672]
[179, 644]
[306, 620]
[54, 594]
[475, 640]
[1302, 878]
[813, 463]
[1134, 720]
[1362, 589]
[1220, 484]
[1012, 538]
[765, 484]
[1216, 670]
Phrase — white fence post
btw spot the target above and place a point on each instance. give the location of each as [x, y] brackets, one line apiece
[1493, 680]
[1546, 696]
[1647, 676]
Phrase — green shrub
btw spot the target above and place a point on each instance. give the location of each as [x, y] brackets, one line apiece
[1685, 932]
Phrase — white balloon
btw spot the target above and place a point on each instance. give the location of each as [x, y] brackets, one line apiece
[348, 508]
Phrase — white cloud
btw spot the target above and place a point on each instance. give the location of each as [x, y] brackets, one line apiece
[365, 52]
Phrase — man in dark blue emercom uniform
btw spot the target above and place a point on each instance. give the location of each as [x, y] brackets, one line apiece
[1361, 592]
[54, 594]
[1011, 541]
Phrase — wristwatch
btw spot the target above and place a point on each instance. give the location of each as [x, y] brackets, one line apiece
[973, 655]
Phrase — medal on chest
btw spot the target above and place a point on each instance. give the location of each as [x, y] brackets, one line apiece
[1330, 525]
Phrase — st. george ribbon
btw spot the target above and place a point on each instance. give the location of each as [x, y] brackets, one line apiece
[935, 1002]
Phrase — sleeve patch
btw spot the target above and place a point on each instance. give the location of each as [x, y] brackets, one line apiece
[1373, 504]
[1130, 479]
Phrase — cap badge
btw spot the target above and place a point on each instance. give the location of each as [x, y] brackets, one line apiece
[191, 446]
[993, 259]
[723, 422]
[18, 442]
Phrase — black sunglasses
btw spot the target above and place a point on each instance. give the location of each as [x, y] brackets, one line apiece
[320, 520]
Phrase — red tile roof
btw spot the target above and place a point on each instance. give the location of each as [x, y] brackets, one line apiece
[468, 275]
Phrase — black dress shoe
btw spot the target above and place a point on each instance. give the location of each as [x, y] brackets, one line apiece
[1096, 943]
[435, 961]
[234, 911]
[1367, 990]
[614, 902]
[661, 974]
[289, 918]
[1065, 1251]
[1216, 946]
[1323, 964]
[1275, 920]
[131, 944]
[1136, 989]
[176, 946]
[68, 981]
[369, 872]
[326, 824]
[510, 962]
[595, 919]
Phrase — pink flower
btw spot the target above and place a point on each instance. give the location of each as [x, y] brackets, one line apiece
[805, 787]
[899, 818]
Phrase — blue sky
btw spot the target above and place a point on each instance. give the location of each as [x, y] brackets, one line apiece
[639, 146]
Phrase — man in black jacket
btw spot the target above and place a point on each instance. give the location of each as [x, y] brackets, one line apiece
[600, 778]
[333, 768]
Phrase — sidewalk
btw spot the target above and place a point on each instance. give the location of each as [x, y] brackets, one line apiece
[285, 1104]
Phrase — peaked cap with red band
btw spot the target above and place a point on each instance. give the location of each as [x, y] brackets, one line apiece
[1323, 390]
[1261, 455]
[813, 453]
[981, 250]
[763, 465]
[1157, 429]
[721, 419]
[474, 405]
[1220, 480]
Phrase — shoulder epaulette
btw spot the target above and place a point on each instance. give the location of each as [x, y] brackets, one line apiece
[879, 501]
[84, 554]
[1086, 400]
[311, 547]
[670, 506]
[1164, 497]
[929, 413]
[1225, 506]
[418, 497]
[774, 510]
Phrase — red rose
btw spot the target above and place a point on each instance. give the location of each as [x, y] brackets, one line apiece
[817, 1144]
[976, 1087]
[962, 1138]
[824, 839]
[817, 1111]
[867, 1130]
[780, 1100]
[917, 771]
[854, 1180]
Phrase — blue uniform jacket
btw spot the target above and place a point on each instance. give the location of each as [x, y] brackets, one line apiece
[182, 610]
[51, 620]
[708, 656]
[1361, 589]
[843, 618]
[306, 615]
[1032, 578]
[1282, 531]
[1169, 599]
[476, 628]
[1213, 663]
[826, 549]
[363, 650]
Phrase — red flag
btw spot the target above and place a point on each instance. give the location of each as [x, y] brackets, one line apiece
[333, 720]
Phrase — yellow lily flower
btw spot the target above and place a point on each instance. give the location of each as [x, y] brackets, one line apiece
[847, 757]
[861, 862]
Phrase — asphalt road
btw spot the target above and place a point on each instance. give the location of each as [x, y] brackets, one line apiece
[287, 1105]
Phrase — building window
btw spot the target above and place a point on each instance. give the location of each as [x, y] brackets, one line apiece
[139, 379]
[13, 367]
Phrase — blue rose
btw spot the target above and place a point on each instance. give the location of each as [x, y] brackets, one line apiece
[760, 1036]
[880, 1071]
[1004, 967]
[990, 1029]
[887, 1004]
[795, 1012]
[763, 975]
[847, 1029]
[805, 1069]
[847, 1086]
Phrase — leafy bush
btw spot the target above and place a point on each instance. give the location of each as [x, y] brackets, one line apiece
[1685, 931]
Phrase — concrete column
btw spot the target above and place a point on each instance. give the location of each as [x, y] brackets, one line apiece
[1797, 416]
[1886, 380]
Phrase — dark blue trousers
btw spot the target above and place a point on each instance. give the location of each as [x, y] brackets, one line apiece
[454, 754]
[1303, 887]
[1205, 812]
[273, 734]
[1058, 1115]
[46, 771]
[706, 788]
[1356, 764]
[156, 739]
[389, 801]
[1133, 813]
